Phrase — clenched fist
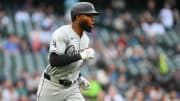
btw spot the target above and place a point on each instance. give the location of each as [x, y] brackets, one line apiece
[84, 83]
[87, 53]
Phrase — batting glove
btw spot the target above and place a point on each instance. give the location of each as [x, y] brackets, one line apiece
[84, 83]
[87, 53]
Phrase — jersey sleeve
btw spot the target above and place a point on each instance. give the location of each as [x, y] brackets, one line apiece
[58, 42]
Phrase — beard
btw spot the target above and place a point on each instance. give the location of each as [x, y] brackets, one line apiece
[84, 26]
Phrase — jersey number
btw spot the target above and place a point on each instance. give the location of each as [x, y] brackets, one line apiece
[54, 43]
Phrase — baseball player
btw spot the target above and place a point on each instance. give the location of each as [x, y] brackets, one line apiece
[68, 49]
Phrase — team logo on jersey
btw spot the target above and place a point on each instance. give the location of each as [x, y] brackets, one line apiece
[54, 43]
[71, 50]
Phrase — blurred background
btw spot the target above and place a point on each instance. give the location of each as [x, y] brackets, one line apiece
[137, 45]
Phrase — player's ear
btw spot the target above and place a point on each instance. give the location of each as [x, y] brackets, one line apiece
[77, 17]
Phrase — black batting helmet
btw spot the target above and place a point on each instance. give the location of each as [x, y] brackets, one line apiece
[83, 8]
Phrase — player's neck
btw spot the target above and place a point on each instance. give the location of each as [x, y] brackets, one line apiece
[77, 29]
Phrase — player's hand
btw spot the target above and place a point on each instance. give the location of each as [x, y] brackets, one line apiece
[87, 53]
[84, 83]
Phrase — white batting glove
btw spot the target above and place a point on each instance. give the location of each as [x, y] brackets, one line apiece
[84, 83]
[87, 53]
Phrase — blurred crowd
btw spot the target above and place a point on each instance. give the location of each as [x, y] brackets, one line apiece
[22, 89]
[137, 51]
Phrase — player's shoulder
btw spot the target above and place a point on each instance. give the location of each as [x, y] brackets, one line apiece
[62, 30]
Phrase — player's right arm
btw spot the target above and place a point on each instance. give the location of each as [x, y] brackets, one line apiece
[57, 60]
[57, 55]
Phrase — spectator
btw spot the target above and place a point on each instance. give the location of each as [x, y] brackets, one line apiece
[139, 96]
[150, 27]
[33, 81]
[107, 16]
[151, 7]
[101, 96]
[22, 15]
[35, 36]
[130, 94]
[20, 88]
[9, 93]
[32, 85]
[4, 20]
[12, 45]
[110, 52]
[119, 4]
[23, 45]
[118, 23]
[155, 93]
[137, 55]
[124, 22]
[102, 77]
[112, 73]
[166, 16]
[176, 80]
[176, 20]
[38, 15]
[122, 84]
[113, 95]
[173, 96]
[24, 98]
[152, 51]
[121, 46]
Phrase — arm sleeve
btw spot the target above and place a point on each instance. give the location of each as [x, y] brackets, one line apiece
[57, 60]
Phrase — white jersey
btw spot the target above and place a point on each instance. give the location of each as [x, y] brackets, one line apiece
[66, 41]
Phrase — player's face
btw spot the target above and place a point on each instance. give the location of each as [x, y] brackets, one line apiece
[86, 22]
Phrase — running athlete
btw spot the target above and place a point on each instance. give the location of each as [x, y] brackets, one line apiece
[68, 49]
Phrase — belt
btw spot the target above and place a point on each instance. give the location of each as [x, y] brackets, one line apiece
[64, 82]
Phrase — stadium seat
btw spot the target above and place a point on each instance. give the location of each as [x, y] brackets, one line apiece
[1, 62]
[143, 67]
[132, 69]
[29, 62]
[20, 28]
[177, 62]
[174, 37]
[168, 40]
[8, 65]
[18, 64]
[40, 66]
[10, 28]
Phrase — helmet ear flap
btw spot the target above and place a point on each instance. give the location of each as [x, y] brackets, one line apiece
[73, 18]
